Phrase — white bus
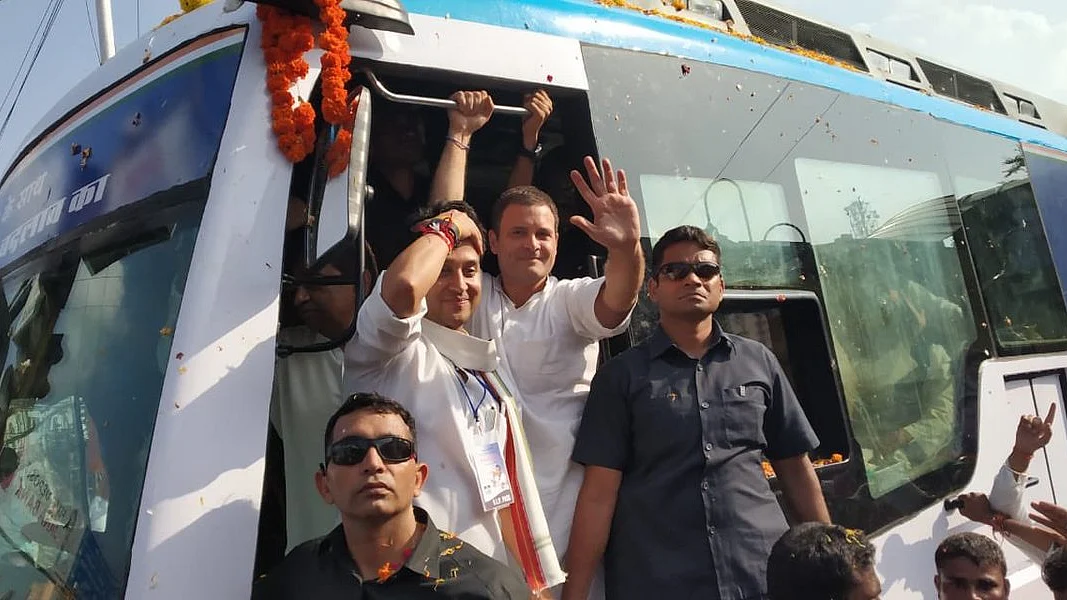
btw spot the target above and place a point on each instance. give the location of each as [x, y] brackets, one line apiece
[891, 229]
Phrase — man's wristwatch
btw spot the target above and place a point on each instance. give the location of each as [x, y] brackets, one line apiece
[534, 154]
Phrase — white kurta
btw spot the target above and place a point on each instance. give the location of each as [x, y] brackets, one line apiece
[550, 346]
[307, 391]
[414, 361]
[1008, 497]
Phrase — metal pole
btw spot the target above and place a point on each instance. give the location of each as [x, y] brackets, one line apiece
[105, 30]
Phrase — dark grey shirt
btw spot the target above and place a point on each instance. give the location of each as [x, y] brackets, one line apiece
[441, 566]
[695, 516]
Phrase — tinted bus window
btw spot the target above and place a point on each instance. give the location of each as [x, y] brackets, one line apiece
[1022, 295]
[1048, 177]
[812, 189]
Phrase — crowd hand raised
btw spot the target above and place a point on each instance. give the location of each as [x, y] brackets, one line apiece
[1051, 516]
[471, 112]
[538, 107]
[975, 506]
[615, 223]
[468, 231]
[1033, 432]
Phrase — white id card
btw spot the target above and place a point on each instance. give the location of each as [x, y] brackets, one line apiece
[491, 472]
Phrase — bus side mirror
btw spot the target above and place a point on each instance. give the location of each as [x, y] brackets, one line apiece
[384, 15]
[340, 215]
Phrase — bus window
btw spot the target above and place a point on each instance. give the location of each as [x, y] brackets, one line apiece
[812, 190]
[900, 328]
[1016, 271]
[89, 339]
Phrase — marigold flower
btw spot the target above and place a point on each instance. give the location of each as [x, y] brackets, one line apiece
[286, 38]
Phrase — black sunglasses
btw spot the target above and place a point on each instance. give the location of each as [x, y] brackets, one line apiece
[352, 450]
[680, 270]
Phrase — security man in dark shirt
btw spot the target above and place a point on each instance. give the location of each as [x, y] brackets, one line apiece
[674, 497]
[384, 547]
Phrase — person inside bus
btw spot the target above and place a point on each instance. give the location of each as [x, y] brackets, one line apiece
[398, 148]
[970, 566]
[411, 344]
[548, 329]
[901, 375]
[1005, 509]
[370, 475]
[820, 561]
[307, 385]
[674, 497]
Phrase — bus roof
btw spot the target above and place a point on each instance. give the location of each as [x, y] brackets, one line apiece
[685, 34]
[927, 86]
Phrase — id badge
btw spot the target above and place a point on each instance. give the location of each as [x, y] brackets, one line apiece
[491, 471]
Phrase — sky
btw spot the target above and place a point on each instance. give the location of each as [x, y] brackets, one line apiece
[1023, 43]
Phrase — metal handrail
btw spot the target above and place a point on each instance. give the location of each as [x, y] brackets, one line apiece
[391, 96]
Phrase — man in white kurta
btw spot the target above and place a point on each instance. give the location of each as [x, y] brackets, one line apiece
[410, 345]
[548, 329]
[307, 390]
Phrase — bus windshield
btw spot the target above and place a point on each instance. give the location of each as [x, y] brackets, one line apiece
[88, 335]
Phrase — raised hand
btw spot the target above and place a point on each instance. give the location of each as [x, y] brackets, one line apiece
[615, 223]
[538, 106]
[472, 111]
[1033, 432]
[468, 230]
[1050, 515]
[976, 507]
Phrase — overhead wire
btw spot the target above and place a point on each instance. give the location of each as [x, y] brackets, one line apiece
[29, 50]
[58, 5]
[92, 36]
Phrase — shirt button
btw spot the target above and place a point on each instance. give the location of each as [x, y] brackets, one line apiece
[707, 447]
[711, 530]
[704, 486]
[704, 405]
[700, 367]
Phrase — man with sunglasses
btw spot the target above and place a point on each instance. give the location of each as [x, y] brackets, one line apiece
[384, 547]
[411, 344]
[674, 496]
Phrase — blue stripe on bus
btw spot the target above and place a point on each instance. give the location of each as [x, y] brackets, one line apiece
[625, 28]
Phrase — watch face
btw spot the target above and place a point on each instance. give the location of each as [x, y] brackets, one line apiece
[535, 153]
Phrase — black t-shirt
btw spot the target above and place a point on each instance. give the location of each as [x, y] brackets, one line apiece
[389, 216]
[441, 566]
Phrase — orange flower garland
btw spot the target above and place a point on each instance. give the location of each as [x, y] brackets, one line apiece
[286, 37]
[335, 74]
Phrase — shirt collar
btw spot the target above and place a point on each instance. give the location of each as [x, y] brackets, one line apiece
[466, 351]
[425, 560]
[498, 287]
[659, 342]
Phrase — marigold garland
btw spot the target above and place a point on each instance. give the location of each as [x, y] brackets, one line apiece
[286, 37]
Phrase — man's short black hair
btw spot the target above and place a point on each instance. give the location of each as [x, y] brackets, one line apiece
[438, 208]
[817, 561]
[977, 548]
[1054, 571]
[523, 195]
[345, 259]
[683, 233]
[375, 403]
